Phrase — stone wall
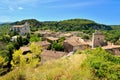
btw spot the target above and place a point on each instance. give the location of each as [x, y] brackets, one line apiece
[97, 39]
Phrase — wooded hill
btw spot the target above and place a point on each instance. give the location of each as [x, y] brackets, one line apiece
[65, 25]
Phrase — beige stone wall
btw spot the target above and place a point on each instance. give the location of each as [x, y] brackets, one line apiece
[22, 29]
[115, 51]
[67, 47]
[97, 40]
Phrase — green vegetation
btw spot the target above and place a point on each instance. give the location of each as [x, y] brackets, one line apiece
[57, 46]
[35, 38]
[66, 25]
[94, 64]
[103, 65]
[113, 35]
[30, 59]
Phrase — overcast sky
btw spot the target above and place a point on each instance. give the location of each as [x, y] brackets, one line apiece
[101, 11]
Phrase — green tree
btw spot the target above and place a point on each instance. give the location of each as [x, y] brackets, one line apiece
[18, 59]
[35, 49]
[6, 38]
[57, 46]
[20, 40]
[3, 63]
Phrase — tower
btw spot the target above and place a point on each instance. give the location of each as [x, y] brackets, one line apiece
[97, 39]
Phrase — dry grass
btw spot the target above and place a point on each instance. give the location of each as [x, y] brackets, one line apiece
[63, 69]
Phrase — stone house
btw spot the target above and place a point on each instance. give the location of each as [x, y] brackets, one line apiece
[25, 49]
[98, 39]
[21, 29]
[43, 44]
[47, 55]
[113, 49]
[66, 35]
[52, 39]
[74, 43]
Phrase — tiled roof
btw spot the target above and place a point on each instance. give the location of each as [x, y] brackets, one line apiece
[52, 38]
[42, 43]
[25, 48]
[111, 47]
[18, 26]
[75, 41]
[52, 54]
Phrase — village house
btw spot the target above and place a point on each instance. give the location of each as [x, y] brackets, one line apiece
[113, 49]
[66, 35]
[47, 55]
[25, 49]
[43, 44]
[52, 39]
[14, 38]
[74, 43]
[21, 29]
[44, 33]
[98, 39]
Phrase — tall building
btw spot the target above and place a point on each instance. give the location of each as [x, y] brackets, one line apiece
[97, 39]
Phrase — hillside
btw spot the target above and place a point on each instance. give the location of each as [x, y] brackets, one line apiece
[65, 25]
[88, 65]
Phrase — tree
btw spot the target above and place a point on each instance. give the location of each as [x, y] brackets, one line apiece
[36, 50]
[10, 48]
[16, 45]
[85, 36]
[2, 64]
[6, 38]
[25, 41]
[61, 39]
[57, 46]
[20, 40]
[18, 59]
[34, 38]
[29, 60]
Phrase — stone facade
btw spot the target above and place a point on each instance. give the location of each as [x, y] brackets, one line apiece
[97, 39]
[74, 43]
[21, 29]
[113, 49]
[43, 44]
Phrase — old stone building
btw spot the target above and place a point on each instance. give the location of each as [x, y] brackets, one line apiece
[113, 49]
[74, 43]
[21, 29]
[52, 39]
[43, 44]
[98, 39]
[48, 55]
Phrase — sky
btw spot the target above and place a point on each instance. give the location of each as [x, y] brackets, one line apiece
[100, 11]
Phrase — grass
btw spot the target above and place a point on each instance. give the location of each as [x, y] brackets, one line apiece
[63, 69]
[94, 64]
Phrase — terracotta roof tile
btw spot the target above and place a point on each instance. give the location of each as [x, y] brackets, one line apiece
[52, 54]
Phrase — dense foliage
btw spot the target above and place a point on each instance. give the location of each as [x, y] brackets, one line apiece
[94, 64]
[103, 65]
[98, 65]
[113, 35]
[65, 25]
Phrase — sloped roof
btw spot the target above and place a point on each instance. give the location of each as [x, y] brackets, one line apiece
[75, 41]
[25, 48]
[111, 47]
[52, 38]
[52, 54]
[19, 26]
[42, 43]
